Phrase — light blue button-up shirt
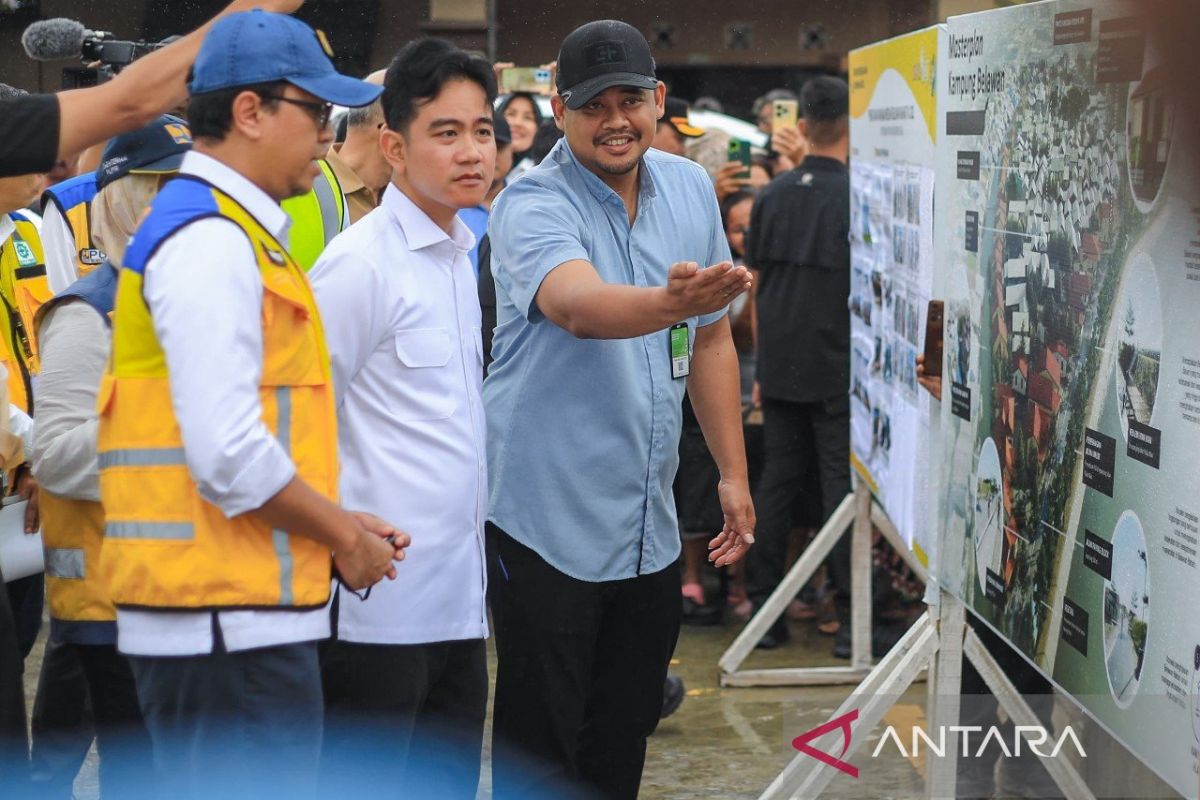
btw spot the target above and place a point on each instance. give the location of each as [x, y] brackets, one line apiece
[583, 434]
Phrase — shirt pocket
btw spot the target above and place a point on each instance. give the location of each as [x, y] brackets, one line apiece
[427, 389]
[291, 350]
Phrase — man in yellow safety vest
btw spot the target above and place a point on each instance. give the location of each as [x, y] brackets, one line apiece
[217, 436]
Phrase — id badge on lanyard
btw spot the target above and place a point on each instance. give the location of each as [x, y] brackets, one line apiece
[681, 357]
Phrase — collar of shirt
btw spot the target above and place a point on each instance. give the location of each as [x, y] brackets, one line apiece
[7, 227]
[599, 189]
[260, 205]
[822, 164]
[346, 176]
[419, 230]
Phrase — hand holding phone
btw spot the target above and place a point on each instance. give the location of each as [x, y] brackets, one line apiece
[934, 319]
[535, 80]
[784, 114]
[739, 152]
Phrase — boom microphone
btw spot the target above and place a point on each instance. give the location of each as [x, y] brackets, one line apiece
[54, 39]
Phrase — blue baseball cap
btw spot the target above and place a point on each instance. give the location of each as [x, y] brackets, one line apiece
[153, 149]
[261, 46]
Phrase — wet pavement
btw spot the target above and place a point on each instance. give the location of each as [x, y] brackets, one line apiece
[721, 743]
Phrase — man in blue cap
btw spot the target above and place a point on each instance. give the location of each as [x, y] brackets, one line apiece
[74, 342]
[217, 439]
[85, 687]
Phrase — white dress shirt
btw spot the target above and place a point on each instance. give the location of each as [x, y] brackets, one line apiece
[400, 306]
[205, 294]
[58, 245]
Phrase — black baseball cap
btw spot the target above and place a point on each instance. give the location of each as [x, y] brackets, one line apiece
[675, 114]
[602, 54]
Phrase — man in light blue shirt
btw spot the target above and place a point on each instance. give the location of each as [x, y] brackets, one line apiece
[605, 317]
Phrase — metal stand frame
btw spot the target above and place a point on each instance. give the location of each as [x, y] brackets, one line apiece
[940, 639]
[857, 512]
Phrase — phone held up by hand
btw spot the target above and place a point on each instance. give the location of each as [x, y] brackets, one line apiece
[784, 114]
[739, 151]
[535, 80]
[934, 319]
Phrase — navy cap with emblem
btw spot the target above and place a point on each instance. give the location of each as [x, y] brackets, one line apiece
[153, 149]
[602, 54]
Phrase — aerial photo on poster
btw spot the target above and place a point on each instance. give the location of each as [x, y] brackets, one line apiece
[1071, 510]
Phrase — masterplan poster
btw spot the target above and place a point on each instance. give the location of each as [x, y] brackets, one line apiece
[1071, 421]
[893, 135]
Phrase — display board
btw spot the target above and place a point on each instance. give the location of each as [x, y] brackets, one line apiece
[1071, 421]
[893, 134]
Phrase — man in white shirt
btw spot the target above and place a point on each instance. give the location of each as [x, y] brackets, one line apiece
[216, 439]
[407, 673]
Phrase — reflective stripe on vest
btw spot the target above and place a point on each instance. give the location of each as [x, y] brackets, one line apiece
[317, 216]
[150, 530]
[279, 538]
[144, 457]
[72, 531]
[165, 544]
[329, 200]
[65, 562]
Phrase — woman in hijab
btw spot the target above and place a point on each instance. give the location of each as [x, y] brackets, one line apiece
[75, 336]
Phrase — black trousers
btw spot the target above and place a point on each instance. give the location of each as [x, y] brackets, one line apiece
[27, 596]
[63, 725]
[14, 742]
[244, 725]
[579, 680]
[403, 720]
[795, 435]
[86, 691]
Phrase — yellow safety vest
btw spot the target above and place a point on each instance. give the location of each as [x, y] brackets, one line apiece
[73, 198]
[165, 546]
[23, 289]
[72, 529]
[317, 217]
[71, 533]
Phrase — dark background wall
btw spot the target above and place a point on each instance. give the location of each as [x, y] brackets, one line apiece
[734, 51]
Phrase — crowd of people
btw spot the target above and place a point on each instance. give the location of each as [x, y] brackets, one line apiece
[282, 507]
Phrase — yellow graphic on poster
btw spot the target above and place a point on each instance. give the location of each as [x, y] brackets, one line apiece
[893, 86]
[913, 58]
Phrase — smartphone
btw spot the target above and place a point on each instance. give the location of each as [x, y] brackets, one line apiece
[739, 151]
[535, 80]
[934, 319]
[784, 115]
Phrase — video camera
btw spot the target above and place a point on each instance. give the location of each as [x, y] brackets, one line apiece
[105, 54]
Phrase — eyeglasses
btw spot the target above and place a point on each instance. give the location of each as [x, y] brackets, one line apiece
[321, 112]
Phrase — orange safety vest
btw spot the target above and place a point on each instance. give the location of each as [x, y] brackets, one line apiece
[165, 546]
[72, 529]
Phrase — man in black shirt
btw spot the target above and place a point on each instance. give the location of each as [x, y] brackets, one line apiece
[798, 242]
[38, 129]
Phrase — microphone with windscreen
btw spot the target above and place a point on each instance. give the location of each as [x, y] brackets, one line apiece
[54, 39]
[60, 38]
